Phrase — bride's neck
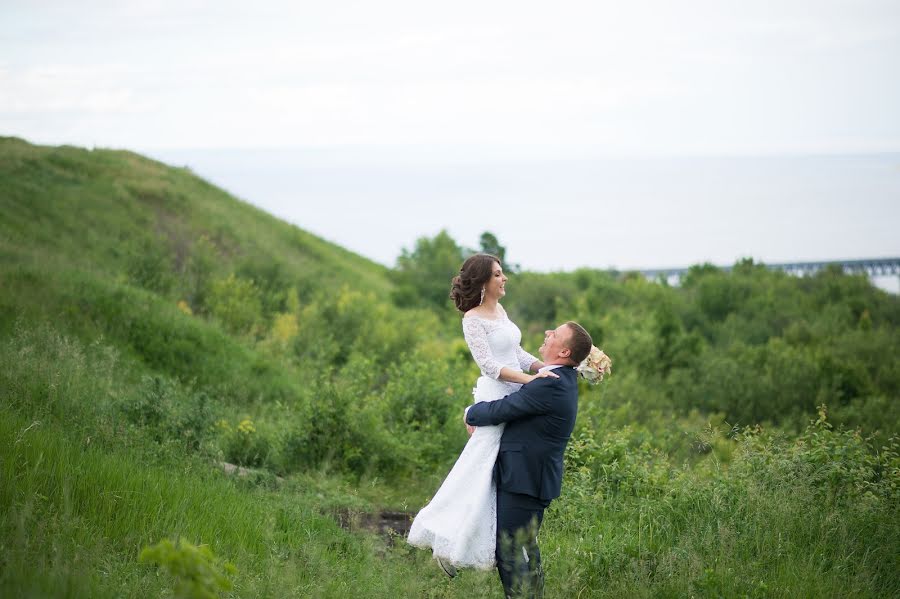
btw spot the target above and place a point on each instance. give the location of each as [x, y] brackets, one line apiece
[489, 304]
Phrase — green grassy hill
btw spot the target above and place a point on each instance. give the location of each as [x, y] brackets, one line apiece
[110, 243]
[153, 327]
[96, 208]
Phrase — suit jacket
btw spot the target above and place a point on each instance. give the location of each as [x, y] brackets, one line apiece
[539, 420]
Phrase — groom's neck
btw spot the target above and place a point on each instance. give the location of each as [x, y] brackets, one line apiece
[559, 362]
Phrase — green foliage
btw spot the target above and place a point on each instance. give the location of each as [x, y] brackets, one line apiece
[423, 275]
[752, 345]
[537, 298]
[490, 245]
[199, 270]
[345, 433]
[198, 573]
[618, 462]
[782, 516]
[150, 266]
[168, 412]
[235, 302]
[242, 444]
[839, 466]
[74, 517]
[422, 403]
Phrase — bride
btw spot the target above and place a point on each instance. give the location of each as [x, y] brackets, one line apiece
[459, 524]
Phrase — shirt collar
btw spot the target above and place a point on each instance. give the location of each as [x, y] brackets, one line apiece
[551, 367]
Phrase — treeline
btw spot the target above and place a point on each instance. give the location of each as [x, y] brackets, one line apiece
[749, 346]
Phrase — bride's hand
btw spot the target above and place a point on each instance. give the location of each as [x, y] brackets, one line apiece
[544, 374]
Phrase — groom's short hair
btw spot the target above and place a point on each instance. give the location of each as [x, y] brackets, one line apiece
[580, 343]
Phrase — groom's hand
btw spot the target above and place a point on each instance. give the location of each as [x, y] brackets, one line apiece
[469, 428]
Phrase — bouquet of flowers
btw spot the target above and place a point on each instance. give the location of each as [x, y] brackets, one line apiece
[595, 366]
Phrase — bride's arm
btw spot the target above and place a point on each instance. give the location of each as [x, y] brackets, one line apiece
[514, 376]
[476, 338]
[527, 361]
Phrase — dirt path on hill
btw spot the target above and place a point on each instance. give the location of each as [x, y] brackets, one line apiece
[388, 523]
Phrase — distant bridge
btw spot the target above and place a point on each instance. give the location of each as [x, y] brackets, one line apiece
[873, 267]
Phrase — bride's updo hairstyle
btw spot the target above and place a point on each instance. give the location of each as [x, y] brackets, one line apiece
[465, 288]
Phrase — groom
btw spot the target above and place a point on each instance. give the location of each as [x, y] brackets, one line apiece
[539, 419]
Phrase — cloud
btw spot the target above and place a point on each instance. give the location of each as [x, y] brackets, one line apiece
[647, 76]
[90, 90]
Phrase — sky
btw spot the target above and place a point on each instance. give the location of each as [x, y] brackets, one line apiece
[639, 134]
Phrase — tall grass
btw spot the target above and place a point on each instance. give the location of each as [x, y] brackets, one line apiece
[740, 532]
[80, 496]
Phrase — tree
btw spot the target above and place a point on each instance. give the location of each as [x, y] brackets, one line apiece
[423, 275]
[491, 245]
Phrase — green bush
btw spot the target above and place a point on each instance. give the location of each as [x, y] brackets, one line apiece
[423, 275]
[236, 303]
[150, 265]
[198, 573]
[242, 444]
[170, 413]
[198, 273]
[344, 431]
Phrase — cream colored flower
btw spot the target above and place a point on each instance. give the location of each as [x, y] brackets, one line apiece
[595, 366]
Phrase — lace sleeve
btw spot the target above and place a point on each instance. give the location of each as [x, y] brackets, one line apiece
[476, 338]
[525, 359]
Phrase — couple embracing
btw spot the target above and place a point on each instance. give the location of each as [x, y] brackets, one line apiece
[489, 508]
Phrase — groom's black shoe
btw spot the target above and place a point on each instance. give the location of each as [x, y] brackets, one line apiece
[448, 568]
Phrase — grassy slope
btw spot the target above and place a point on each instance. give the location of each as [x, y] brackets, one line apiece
[86, 205]
[73, 523]
[73, 220]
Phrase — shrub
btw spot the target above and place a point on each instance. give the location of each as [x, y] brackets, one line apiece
[242, 444]
[150, 265]
[423, 274]
[235, 303]
[169, 412]
[198, 573]
[342, 429]
[198, 272]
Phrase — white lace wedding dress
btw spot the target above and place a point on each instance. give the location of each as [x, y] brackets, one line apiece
[460, 522]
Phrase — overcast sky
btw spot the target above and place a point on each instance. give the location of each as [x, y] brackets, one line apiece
[644, 76]
[425, 85]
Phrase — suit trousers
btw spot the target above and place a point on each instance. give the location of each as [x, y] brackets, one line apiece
[519, 518]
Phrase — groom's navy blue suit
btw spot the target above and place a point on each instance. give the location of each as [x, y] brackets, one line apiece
[539, 420]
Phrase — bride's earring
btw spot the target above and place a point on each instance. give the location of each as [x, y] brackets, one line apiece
[482, 297]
